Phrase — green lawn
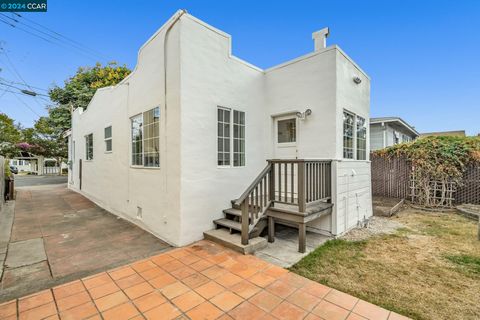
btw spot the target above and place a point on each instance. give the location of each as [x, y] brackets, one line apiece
[430, 269]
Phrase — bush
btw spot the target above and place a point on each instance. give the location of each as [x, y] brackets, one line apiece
[441, 159]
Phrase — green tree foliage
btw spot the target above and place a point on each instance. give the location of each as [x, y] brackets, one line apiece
[79, 89]
[46, 138]
[10, 135]
[441, 159]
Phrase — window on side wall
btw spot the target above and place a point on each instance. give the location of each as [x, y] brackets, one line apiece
[348, 135]
[108, 139]
[89, 146]
[238, 138]
[361, 138]
[230, 143]
[223, 137]
[354, 136]
[145, 144]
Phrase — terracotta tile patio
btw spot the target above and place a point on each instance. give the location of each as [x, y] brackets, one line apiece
[202, 281]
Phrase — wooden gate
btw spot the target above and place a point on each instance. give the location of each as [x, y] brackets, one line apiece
[390, 177]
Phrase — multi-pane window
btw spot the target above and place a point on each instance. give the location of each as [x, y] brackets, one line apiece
[137, 140]
[230, 143]
[238, 138]
[89, 146]
[146, 138]
[223, 136]
[354, 136]
[348, 135]
[361, 138]
[108, 139]
[287, 130]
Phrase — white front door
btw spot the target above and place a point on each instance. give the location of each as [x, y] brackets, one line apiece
[285, 137]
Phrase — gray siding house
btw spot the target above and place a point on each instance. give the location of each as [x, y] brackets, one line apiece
[388, 131]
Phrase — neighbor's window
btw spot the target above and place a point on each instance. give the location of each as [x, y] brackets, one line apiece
[108, 139]
[348, 135]
[89, 146]
[223, 136]
[361, 138]
[287, 130]
[238, 138]
[146, 138]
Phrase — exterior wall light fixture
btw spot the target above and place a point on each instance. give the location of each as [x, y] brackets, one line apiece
[304, 115]
[357, 80]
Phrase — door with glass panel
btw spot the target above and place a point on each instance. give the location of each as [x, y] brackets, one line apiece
[285, 147]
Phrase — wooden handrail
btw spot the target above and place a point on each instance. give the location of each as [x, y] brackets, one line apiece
[253, 184]
[277, 183]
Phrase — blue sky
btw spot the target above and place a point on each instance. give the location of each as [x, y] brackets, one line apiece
[422, 56]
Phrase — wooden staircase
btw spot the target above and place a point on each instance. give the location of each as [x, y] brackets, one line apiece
[233, 222]
[296, 185]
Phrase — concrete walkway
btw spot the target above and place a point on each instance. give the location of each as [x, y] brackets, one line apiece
[203, 281]
[59, 235]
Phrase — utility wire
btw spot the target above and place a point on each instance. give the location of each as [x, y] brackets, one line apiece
[22, 84]
[19, 76]
[61, 35]
[51, 38]
[15, 94]
[33, 95]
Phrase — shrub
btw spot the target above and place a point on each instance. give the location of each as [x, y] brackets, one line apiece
[441, 159]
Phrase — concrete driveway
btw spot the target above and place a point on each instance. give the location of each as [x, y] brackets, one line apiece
[59, 235]
[32, 180]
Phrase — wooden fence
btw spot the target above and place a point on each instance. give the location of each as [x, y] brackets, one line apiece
[392, 178]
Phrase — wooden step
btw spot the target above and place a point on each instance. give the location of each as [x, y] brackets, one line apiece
[234, 206]
[229, 224]
[234, 241]
[233, 212]
[234, 225]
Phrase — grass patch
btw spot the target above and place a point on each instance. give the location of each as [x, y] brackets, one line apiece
[409, 272]
[468, 264]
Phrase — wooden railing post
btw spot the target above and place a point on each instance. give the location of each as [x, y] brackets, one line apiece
[245, 221]
[301, 186]
[271, 183]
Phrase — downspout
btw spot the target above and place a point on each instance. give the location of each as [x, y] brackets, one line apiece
[183, 11]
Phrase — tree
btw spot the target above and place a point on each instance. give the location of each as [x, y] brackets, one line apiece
[9, 136]
[79, 89]
[46, 138]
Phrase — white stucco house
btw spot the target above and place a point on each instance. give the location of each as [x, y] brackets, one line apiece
[388, 131]
[192, 128]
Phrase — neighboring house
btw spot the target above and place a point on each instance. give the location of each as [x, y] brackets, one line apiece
[388, 131]
[458, 133]
[37, 165]
[192, 127]
[21, 165]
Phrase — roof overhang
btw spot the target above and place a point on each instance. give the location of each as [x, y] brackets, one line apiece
[396, 120]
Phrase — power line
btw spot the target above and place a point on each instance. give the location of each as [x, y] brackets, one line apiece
[61, 35]
[22, 90]
[53, 39]
[15, 94]
[19, 76]
[22, 84]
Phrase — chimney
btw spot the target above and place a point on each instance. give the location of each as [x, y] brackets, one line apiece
[320, 38]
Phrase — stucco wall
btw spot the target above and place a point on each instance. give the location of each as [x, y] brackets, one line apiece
[108, 179]
[180, 199]
[211, 77]
[353, 194]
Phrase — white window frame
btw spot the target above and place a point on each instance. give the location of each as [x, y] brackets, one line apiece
[231, 138]
[105, 139]
[87, 147]
[142, 114]
[355, 147]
